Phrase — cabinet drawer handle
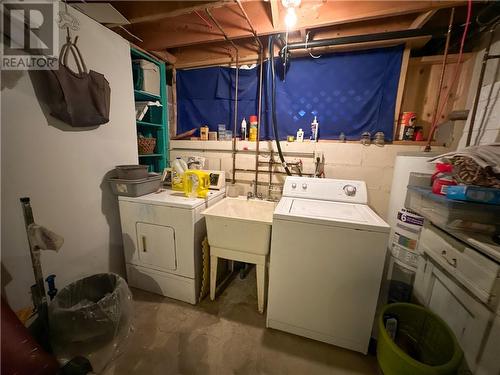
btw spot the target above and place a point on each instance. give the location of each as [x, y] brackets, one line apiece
[453, 261]
[144, 243]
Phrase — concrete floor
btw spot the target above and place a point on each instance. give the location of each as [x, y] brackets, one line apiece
[227, 336]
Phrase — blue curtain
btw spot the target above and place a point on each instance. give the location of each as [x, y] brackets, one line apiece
[206, 97]
[350, 92]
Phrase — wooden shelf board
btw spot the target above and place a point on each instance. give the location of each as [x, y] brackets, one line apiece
[144, 123]
[145, 96]
[150, 155]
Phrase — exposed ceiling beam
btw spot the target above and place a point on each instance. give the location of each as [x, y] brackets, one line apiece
[204, 58]
[422, 19]
[219, 53]
[162, 55]
[166, 56]
[275, 13]
[200, 6]
[188, 30]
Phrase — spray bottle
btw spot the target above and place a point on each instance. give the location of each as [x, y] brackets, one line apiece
[314, 130]
[243, 130]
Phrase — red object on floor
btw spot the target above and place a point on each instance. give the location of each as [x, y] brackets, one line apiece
[21, 354]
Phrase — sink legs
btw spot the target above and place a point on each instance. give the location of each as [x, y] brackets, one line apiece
[261, 285]
[260, 262]
[213, 275]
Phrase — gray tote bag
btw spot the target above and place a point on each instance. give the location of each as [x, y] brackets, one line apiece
[80, 99]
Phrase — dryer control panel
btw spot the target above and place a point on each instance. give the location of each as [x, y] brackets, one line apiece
[327, 189]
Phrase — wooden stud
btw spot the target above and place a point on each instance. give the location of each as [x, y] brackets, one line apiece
[401, 87]
[421, 88]
[173, 126]
[275, 13]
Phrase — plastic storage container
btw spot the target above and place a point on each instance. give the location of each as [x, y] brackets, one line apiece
[132, 172]
[448, 213]
[146, 76]
[135, 188]
[424, 344]
[401, 281]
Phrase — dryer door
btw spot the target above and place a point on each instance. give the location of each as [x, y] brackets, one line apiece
[156, 244]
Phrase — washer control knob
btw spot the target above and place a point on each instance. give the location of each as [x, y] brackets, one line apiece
[350, 190]
[294, 185]
[304, 186]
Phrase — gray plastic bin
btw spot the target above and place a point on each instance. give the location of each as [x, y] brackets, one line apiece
[135, 188]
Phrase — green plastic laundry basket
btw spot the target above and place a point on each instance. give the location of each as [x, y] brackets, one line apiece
[425, 344]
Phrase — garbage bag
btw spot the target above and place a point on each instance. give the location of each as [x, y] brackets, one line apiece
[91, 317]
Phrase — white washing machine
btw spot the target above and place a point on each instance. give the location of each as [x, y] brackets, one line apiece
[327, 255]
[162, 235]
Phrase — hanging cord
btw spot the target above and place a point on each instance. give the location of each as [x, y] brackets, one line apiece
[310, 53]
[273, 105]
[458, 68]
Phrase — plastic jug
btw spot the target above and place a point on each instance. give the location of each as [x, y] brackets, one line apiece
[196, 183]
[179, 167]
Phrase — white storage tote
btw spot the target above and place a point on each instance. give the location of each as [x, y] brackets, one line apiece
[146, 76]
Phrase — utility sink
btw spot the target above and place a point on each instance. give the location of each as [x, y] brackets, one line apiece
[241, 225]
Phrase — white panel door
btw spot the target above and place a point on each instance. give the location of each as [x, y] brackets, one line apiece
[466, 316]
[446, 305]
[156, 244]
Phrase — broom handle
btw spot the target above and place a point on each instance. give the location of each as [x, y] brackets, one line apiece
[38, 291]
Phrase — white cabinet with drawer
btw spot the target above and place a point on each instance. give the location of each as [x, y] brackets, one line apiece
[461, 286]
[478, 273]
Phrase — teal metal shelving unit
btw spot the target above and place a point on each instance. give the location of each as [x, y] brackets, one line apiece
[155, 123]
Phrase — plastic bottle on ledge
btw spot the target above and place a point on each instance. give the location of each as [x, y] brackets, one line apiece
[300, 135]
[252, 135]
[314, 130]
[244, 130]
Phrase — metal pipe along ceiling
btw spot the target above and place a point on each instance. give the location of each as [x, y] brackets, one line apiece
[261, 63]
[357, 39]
[235, 125]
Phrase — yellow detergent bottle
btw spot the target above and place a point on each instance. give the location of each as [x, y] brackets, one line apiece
[196, 183]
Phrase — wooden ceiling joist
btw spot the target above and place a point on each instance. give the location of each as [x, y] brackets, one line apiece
[186, 29]
[422, 19]
[215, 54]
[181, 33]
[275, 13]
[158, 11]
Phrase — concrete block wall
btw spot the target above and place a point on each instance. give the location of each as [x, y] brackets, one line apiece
[487, 123]
[353, 161]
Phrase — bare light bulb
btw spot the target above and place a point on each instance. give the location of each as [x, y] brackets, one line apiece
[290, 3]
[290, 18]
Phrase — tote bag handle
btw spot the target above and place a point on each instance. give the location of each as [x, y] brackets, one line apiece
[70, 46]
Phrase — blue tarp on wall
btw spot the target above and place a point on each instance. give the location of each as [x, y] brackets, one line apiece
[349, 92]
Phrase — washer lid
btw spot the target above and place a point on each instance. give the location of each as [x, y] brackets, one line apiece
[339, 214]
[172, 198]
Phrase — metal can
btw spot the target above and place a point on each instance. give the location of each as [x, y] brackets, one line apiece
[407, 120]
[204, 133]
[252, 134]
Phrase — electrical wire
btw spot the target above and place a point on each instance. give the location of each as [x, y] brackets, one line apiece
[458, 68]
[273, 105]
[307, 40]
